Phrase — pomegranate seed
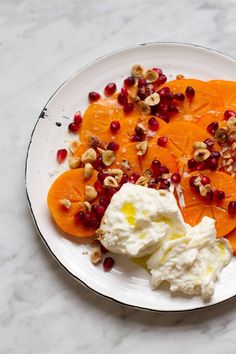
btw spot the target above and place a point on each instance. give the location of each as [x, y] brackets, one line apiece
[134, 177]
[101, 176]
[111, 191]
[114, 126]
[100, 211]
[163, 92]
[164, 169]
[200, 166]
[219, 195]
[165, 118]
[179, 97]
[110, 89]
[124, 179]
[212, 127]
[155, 166]
[192, 181]
[173, 109]
[113, 146]
[129, 81]
[175, 178]
[228, 114]
[93, 96]
[209, 197]
[124, 91]
[205, 180]
[98, 164]
[209, 142]
[163, 108]
[144, 92]
[232, 208]
[162, 141]
[157, 70]
[78, 118]
[190, 93]
[99, 187]
[122, 99]
[87, 218]
[136, 137]
[215, 154]
[103, 248]
[142, 82]
[153, 124]
[212, 163]
[170, 96]
[73, 128]
[79, 217]
[192, 164]
[128, 108]
[108, 263]
[162, 79]
[61, 155]
[104, 201]
[152, 185]
[165, 184]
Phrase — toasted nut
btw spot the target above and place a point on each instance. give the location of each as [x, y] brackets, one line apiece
[226, 154]
[141, 128]
[96, 255]
[74, 162]
[117, 173]
[201, 155]
[166, 175]
[203, 190]
[110, 181]
[230, 169]
[100, 150]
[88, 170]
[147, 173]
[66, 203]
[134, 98]
[137, 70]
[90, 193]
[150, 76]
[94, 142]
[108, 157]
[74, 146]
[142, 148]
[232, 136]
[180, 77]
[231, 122]
[153, 99]
[88, 206]
[142, 181]
[197, 181]
[89, 156]
[229, 162]
[143, 107]
[125, 164]
[162, 192]
[233, 146]
[99, 234]
[221, 135]
[199, 145]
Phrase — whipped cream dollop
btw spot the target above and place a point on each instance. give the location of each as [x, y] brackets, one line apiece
[141, 221]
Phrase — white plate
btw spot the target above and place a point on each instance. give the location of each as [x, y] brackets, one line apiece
[126, 283]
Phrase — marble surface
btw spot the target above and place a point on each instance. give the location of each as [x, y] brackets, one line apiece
[42, 310]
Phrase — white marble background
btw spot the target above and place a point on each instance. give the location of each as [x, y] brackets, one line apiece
[42, 310]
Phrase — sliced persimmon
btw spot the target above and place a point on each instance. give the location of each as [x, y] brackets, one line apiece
[196, 207]
[231, 237]
[181, 136]
[227, 92]
[69, 185]
[156, 152]
[127, 158]
[205, 99]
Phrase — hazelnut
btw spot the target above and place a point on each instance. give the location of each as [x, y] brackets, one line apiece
[94, 142]
[108, 157]
[137, 70]
[142, 181]
[96, 255]
[231, 123]
[89, 156]
[117, 173]
[134, 99]
[142, 148]
[147, 173]
[88, 170]
[66, 203]
[87, 206]
[143, 107]
[199, 145]
[90, 193]
[180, 77]
[74, 146]
[201, 155]
[153, 99]
[150, 76]
[74, 162]
[110, 181]
[203, 190]
[221, 135]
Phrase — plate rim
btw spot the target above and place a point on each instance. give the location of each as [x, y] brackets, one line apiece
[41, 115]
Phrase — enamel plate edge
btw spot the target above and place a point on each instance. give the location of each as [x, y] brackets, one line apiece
[126, 283]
